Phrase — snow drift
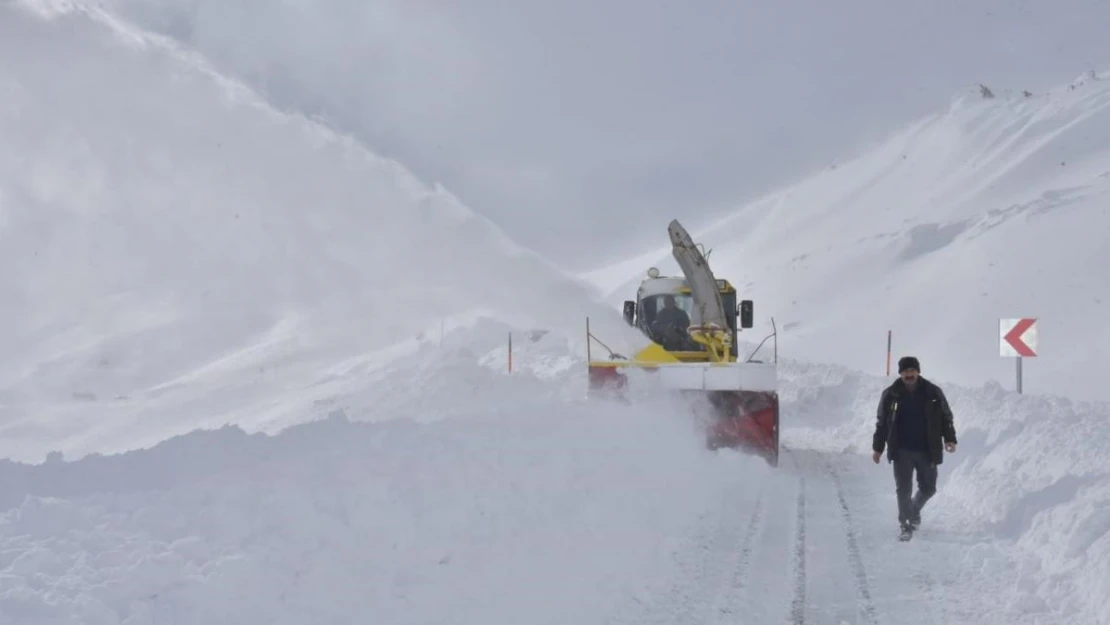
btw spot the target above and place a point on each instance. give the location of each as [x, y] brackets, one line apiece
[178, 254]
[994, 208]
[482, 519]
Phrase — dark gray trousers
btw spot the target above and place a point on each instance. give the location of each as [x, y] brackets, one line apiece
[905, 464]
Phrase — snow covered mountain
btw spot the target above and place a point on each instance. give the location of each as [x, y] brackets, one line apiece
[180, 262]
[578, 126]
[994, 208]
[178, 254]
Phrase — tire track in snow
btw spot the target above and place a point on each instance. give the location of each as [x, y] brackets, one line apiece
[767, 594]
[714, 557]
[727, 611]
[798, 603]
[859, 572]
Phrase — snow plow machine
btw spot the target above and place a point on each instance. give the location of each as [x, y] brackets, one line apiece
[736, 400]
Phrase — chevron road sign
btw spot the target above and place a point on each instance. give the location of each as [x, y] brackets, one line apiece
[1017, 339]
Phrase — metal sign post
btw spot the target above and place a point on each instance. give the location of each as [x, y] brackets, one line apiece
[1017, 338]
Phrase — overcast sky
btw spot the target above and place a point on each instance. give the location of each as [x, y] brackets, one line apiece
[582, 126]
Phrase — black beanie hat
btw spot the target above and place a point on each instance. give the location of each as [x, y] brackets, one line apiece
[908, 362]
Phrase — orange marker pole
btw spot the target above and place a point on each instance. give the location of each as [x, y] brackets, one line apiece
[888, 333]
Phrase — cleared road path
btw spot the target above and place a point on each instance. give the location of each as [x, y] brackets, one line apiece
[817, 543]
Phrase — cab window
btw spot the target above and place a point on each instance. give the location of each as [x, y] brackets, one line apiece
[654, 303]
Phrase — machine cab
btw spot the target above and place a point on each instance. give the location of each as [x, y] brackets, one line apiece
[653, 311]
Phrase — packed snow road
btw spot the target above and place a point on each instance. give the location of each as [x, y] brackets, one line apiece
[815, 542]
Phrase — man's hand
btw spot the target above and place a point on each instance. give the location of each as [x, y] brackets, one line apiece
[950, 447]
[876, 455]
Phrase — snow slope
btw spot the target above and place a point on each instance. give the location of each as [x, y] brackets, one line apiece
[572, 123]
[994, 208]
[178, 254]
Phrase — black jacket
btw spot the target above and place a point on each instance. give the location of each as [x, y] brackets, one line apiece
[940, 426]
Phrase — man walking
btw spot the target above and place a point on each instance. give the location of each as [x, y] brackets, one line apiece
[914, 420]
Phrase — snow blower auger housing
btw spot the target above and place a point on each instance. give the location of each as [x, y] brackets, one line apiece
[737, 400]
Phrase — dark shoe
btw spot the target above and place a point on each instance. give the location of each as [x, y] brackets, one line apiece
[907, 532]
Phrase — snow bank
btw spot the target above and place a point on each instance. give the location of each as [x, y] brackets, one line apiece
[994, 208]
[463, 371]
[178, 254]
[533, 513]
[1028, 469]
